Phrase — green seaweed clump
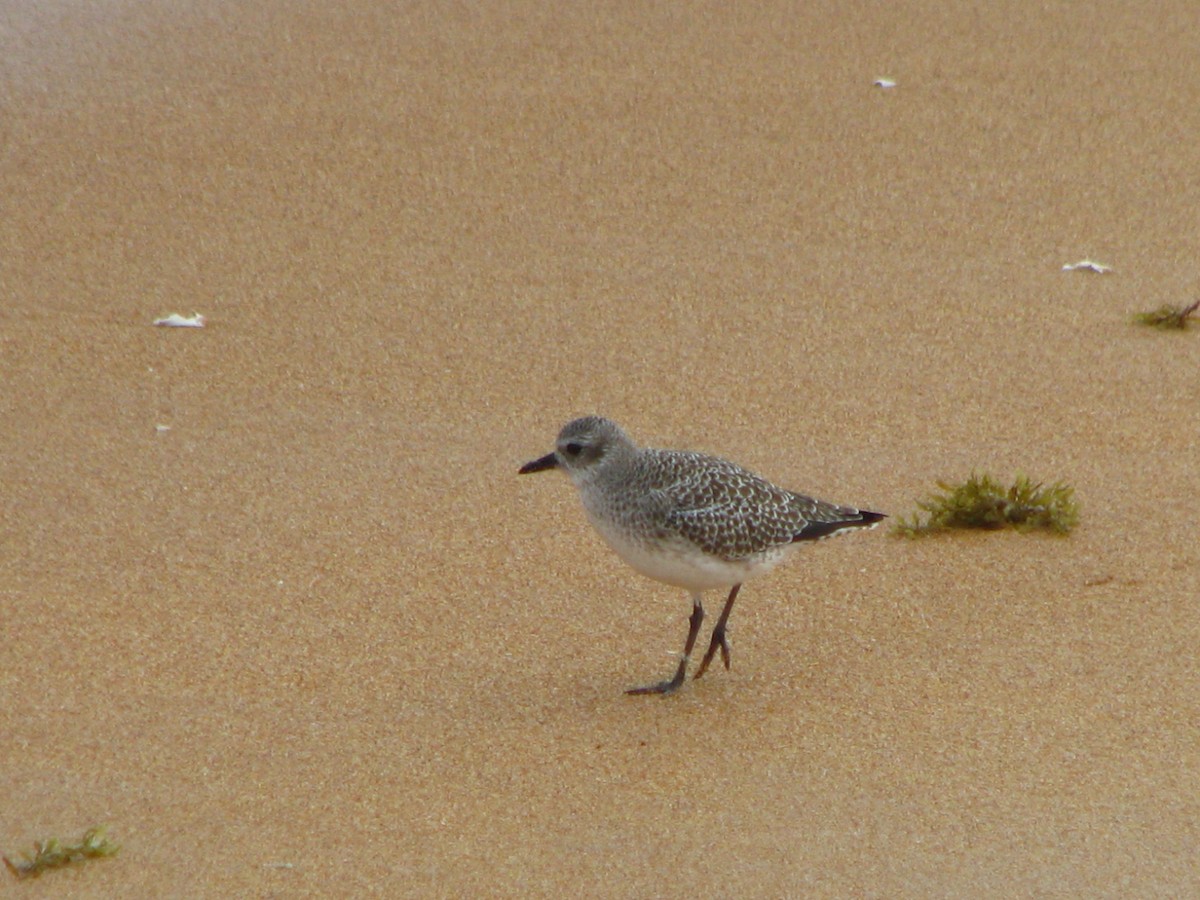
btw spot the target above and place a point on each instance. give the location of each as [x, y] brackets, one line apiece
[982, 502]
[53, 854]
[1168, 316]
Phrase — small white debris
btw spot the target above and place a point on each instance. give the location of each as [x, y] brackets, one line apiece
[1087, 265]
[884, 83]
[162, 429]
[175, 320]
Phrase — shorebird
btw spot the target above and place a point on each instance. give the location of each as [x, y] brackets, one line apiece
[688, 519]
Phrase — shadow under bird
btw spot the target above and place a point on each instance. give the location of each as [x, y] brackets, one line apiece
[688, 519]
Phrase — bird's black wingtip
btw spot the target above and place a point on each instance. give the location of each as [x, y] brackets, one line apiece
[817, 531]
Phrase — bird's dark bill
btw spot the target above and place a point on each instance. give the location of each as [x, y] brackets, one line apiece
[539, 465]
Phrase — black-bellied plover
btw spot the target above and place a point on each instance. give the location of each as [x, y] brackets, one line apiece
[688, 519]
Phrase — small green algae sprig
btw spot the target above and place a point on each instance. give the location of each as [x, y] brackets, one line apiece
[54, 854]
[983, 502]
[1168, 316]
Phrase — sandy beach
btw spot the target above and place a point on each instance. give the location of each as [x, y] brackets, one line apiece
[275, 606]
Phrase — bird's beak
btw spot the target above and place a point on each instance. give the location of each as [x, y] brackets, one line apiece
[539, 465]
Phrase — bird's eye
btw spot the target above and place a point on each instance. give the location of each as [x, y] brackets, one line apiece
[572, 449]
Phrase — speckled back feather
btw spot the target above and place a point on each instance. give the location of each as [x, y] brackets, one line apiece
[727, 511]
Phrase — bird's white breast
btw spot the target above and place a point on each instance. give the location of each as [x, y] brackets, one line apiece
[678, 562]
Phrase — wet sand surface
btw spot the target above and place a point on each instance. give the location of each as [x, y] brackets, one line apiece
[314, 637]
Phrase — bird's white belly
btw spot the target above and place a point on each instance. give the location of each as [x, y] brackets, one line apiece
[682, 564]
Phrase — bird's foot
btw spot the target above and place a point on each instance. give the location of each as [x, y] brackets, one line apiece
[664, 687]
[718, 641]
[669, 687]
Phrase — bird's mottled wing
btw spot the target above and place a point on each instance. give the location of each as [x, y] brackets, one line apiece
[721, 508]
[732, 513]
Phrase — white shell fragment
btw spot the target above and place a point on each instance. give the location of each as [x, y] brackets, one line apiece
[1087, 265]
[884, 83]
[175, 320]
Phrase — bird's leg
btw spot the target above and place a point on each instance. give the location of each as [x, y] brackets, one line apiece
[666, 687]
[718, 636]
